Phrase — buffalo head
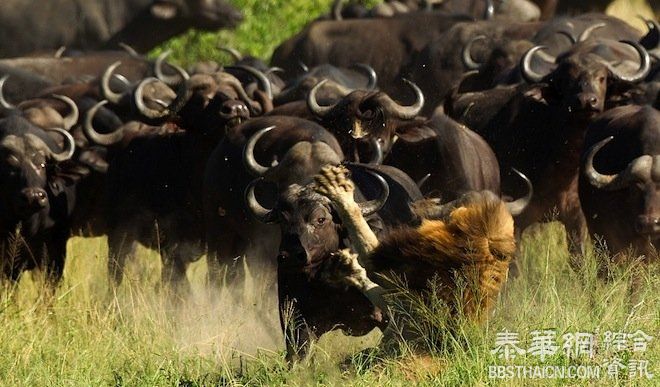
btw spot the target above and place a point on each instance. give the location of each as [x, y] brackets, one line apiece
[581, 76]
[310, 228]
[371, 117]
[640, 181]
[25, 154]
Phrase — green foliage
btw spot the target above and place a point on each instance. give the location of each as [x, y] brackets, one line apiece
[267, 23]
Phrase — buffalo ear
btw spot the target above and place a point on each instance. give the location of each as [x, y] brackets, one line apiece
[164, 10]
[415, 133]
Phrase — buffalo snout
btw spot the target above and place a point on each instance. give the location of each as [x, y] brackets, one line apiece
[590, 102]
[648, 224]
[292, 252]
[234, 111]
[33, 199]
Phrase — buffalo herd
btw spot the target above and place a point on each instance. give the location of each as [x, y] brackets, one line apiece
[412, 140]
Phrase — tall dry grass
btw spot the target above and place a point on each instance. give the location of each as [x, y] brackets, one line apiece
[88, 334]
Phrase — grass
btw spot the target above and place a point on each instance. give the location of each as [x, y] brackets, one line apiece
[88, 335]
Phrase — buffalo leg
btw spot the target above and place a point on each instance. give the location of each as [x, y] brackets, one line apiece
[120, 247]
[221, 259]
[55, 256]
[174, 270]
[298, 336]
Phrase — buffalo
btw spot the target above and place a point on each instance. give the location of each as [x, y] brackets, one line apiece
[36, 198]
[142, 24]
[620, 180]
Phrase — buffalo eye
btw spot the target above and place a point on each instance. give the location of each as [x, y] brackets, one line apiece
[369, 114]
[601, 79]
[320, 221]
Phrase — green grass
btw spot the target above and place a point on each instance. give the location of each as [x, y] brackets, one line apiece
[88, 335]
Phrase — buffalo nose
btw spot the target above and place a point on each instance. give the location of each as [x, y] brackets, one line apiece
[593, 102]
[232, 109]
[589, 102]
[34, 198]
[647, 224]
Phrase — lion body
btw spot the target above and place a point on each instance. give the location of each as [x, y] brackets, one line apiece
[476, 244]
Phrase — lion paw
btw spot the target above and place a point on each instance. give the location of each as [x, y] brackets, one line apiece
[342, 269]
[334, 183]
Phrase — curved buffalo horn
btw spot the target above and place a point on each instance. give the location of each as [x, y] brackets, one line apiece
[235, 54]
[251, 165]
[644, 64]
[372, 206]
[587, 31]
[122, 79]
[595, 178]
[130, 50]
[258, 75]
[526, 65]
[370, 72]
[406, 112]
[598, 180]
[420, 183]
[106, 91]
[139, 101]
[169, 80]
[313, 105]
[60, 51]
[468, 61]
[517, 207]
[489, 12]
[274, 70]
[3, 102]
[258, 211]
[70, 119]
[96, 137]
[378, 151]
[69, 150]
[336, 10]
[569, 35]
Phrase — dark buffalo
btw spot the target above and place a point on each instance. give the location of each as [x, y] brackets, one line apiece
[231, 231]
[620, 180]
[466, 46]
[540, 128]
[391, 44]
[142, 24]
[364, 119]
[36, 199]
[453, 161]
[310, 232]
[516, 9]
[154, 181]
[559, 33]
[339, 80]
